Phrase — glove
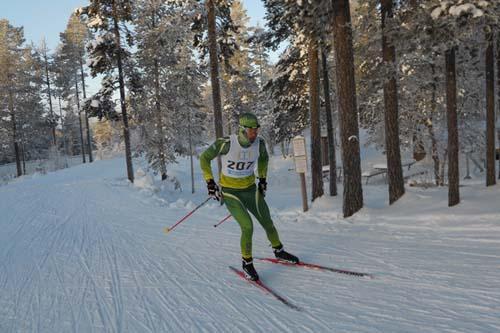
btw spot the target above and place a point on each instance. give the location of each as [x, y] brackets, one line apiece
[213, 189]
[262, 186]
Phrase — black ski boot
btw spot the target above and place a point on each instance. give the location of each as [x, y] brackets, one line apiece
[249, 270]
[282, 255]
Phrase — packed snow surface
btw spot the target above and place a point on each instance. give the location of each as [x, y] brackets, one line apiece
[82, 250]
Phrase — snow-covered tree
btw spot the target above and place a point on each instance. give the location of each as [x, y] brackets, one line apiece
[23, 115]
[109, 18]
[44, 53]
[168, 86]
[239, 85]
[11, 40]
[212, 25]
[77, 35]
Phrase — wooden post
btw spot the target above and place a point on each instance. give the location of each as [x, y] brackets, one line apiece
[304, 191]
[300, 159]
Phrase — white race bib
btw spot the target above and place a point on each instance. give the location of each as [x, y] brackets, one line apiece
[240, 162]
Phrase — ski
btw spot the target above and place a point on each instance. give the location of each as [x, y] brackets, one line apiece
[316, 267]
[259, 284]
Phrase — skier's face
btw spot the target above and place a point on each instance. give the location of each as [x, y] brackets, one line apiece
[251, 133]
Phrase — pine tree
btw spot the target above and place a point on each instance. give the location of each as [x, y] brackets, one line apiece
[332, 158]
[166, 87]
[77, 35]
[316, 165]
[108, 18]
[290, 93]
[490, 109]
[214, 71]
[67, 61]
[263, 105]
[392, 149]
[346, 89]
[212, 27]
[43, 51]
[498, 99]
[11, 40]
[240, 88]
[459, 21]
[307, 23]
[259, 54]
[451, 106]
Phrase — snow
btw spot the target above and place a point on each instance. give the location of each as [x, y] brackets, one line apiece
[458, 10]
[95, 22]
[144, 181]
[82, 250]
[466, 8]
[436, 13]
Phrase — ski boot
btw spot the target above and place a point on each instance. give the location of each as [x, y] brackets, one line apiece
[282, 255]
[249, 270]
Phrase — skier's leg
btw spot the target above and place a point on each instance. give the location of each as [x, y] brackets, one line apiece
[258, 207]
[240, 214]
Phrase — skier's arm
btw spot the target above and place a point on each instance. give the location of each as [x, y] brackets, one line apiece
[220, 146]
[263, 160]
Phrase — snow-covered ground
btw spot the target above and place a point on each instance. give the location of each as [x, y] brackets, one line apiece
[9, 171]
[81, 250]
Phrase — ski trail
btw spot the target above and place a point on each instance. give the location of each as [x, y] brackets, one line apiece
[84, 251]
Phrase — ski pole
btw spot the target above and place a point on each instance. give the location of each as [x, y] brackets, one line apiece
[222, 221]
[167, 230]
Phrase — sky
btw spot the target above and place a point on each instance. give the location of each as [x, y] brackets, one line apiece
[46, 19]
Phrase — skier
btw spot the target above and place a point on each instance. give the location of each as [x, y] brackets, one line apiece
[239, 154]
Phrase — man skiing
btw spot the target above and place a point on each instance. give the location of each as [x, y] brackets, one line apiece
[239, 154]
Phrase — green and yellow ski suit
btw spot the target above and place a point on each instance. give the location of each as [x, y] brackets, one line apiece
[241, 195]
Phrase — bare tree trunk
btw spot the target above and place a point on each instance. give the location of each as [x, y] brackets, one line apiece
[159, 119]
[443, 168]
[393, 154]
[89, 141]
[126, 131]
[191, 155]
[80, 118]
[451, 106]
[47, 81]
[332, 159]
[434, 151]
[490, 111]
[316, 165]
[430, 127]
[15, 139]
[65, 147]
[23, 156]
[346, 87]
[498, 92]
[214, 73]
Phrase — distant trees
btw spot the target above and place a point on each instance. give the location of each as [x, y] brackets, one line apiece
[25, 124]
[425, 71]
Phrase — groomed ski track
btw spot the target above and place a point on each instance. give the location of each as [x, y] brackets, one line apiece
[81, 250]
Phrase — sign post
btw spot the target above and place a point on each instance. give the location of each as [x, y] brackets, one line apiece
[300, 159]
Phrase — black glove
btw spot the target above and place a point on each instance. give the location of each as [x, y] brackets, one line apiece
[262, 186]
[213, 189]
